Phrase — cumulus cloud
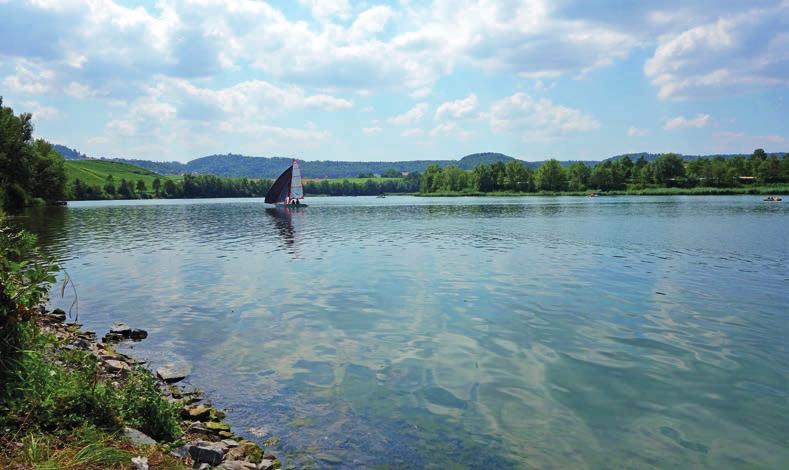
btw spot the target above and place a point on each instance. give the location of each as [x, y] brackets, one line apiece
[537, 119]
[636, 132]
[458, 108]
[412, 132]
[741, 51]
[681, 122]
[411, 116]
[39, 111]
[30, 78]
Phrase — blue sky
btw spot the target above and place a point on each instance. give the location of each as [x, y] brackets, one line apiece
[400, 80]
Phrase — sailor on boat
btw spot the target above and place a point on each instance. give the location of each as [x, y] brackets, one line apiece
[287, 190]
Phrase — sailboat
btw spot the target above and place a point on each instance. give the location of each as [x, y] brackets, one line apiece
[287, 189]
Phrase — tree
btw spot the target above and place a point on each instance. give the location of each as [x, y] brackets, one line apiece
[516, 176]
[27, 169]
[157, 186]
[550, 176]
[578, 176]
[484, 179]
[667, 168]
[391, 173]
[48, 172]
[141, 189]
[109, 186]
[170, 190]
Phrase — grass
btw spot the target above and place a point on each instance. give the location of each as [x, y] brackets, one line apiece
[58, 412]
[773, 189]
[95, 172]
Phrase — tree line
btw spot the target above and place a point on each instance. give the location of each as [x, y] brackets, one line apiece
[191, 186]
[29, 169]
[666, 171]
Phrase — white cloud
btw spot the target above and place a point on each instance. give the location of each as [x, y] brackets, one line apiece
[371, 130]
[325, 9]
[535, 120]
[39, 111]
[636, 132]
[412, 132]
[458, 108]
[30, 78]
[681, 122]
[78, 90]
[740, 51]
[411, 116]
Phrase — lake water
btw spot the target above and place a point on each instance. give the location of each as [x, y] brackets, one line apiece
[462, 332]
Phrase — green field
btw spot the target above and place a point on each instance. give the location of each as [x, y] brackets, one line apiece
[95, 172]
[377, 179]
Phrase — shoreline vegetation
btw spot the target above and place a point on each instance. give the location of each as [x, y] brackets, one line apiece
[70, 401]
[764, 190]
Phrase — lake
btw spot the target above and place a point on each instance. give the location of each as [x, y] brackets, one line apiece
[458, 332]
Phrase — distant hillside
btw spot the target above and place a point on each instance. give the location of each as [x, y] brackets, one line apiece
[652, 156]
[68, 153]
[469, 162]
[95, 172]
[235, 165]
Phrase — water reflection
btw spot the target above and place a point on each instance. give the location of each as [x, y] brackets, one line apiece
[491, 333]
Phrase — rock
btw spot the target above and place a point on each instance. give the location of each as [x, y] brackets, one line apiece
[137, 438]
[58, 315]
[217, 426]
[226, 434]
[198, 428]
[230, 443]
[196, 412]
[112, 338]
[117, 366]
[83, 344]
[138, 334]
[172, 373]
[120, 328]
[180, 452]
[246, 450]
[206, 452]
[238, 465]
[266, 464]
[140, 463]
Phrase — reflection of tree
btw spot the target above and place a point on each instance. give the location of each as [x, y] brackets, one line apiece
[48, 223]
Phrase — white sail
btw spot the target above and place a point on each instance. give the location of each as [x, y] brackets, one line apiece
[296, 189]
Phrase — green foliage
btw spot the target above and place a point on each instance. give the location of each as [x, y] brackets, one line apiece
[28, 169]
[613, 176]
[141, 406]
[25, 276]
[362, 186]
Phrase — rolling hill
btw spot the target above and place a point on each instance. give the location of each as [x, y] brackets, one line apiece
[235, 165]
[95, 172]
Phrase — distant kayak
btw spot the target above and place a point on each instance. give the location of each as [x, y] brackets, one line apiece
[772, 199]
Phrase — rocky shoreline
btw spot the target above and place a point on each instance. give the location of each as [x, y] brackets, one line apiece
[207, 440]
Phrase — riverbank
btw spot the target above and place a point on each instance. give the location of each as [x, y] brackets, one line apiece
[777, 189]
[72, 401]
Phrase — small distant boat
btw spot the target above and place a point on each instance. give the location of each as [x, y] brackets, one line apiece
[591, 195]
[381, 196]
[772, 199]
[287, 190]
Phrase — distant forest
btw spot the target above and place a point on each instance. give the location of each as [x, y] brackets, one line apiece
[241, 166]
[664, 171]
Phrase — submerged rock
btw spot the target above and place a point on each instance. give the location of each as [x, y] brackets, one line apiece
[137, 438]
[120, 331]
